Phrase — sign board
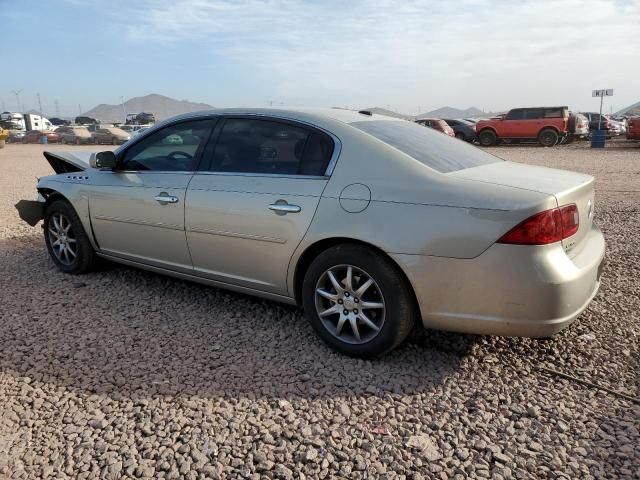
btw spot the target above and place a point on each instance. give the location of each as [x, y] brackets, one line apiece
[602, 93]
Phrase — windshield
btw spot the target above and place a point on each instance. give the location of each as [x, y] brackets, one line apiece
[429, 147]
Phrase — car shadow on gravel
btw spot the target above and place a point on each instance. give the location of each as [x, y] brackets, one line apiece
[131, 334]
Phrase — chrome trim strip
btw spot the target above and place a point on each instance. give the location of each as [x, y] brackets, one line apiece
[138, 222]
[247, 236]
[268, 175]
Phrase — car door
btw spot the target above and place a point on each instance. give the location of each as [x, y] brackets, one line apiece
[137, 210]
[250, 204]
[512, 125]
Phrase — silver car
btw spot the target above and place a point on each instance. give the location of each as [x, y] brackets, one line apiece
[371, 223]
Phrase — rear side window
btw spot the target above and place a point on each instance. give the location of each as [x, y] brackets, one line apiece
[430, 147]
[554, 113]
[533, 113]
[270, 147]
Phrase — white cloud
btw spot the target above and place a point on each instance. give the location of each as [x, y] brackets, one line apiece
[491, 53]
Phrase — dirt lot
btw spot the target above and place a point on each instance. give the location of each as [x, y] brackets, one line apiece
[127, 374]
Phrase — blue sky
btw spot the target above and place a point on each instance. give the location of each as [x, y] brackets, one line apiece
[409, 55]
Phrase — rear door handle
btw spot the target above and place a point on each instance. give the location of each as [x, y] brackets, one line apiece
[284, 208]
[164, 198]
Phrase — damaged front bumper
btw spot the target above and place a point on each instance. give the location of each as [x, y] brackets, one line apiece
[31, 211]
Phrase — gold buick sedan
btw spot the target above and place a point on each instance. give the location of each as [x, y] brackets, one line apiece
[371, 223]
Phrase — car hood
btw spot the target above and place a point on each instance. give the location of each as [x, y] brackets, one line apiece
[65, 162]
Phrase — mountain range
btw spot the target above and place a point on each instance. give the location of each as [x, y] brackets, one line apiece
[162, 107]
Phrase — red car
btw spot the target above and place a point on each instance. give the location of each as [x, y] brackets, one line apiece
[547, 125]
[33, 136]
[633, 128]
[437, 124]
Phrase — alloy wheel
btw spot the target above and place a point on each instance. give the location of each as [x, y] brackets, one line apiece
[62, 239]
[350, 304]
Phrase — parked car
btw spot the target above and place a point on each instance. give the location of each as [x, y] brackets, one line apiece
[138, 131]
[83, 120]
[112, 135]
[59, 122]
[75, 134]
[437, 124]
[633, 128]
[616, 127]
[593, 121]
[33, 136]
[578, 126]
[371, 223]
[471, 120]
[547, 125]
[140, 119]
[16, 136]
[462, 129]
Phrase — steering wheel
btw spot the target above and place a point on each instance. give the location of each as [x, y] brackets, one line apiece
[179, 153]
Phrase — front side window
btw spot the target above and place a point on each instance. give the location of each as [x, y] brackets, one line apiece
[173, 148]
[427, 146]
[270, 147]
[515, 114]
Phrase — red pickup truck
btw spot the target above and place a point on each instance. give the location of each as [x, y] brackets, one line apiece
[547, 125]
[633, 128]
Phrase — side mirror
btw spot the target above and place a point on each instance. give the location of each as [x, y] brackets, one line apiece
[104, 160]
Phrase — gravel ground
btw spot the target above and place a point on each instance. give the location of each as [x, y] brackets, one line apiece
[127, 374]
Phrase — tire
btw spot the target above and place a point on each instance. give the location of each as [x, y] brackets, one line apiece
[487, 138]
[460, 136]
[60, 215]
[393, 320]
[548, 137]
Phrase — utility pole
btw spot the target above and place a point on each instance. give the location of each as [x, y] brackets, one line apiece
[40, 107]
[17, 94]
[57, 106]
[79, 110]
[124, 111]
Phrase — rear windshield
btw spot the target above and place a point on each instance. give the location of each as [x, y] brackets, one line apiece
[430, 147]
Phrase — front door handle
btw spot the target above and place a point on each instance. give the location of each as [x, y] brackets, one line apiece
[284, 208]
[164, 198]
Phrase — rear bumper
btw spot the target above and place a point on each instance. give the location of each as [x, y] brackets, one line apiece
[509, 290]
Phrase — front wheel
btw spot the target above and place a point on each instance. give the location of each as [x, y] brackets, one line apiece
[487, 138]
[358, 301]
[548, 137]
[66, 240]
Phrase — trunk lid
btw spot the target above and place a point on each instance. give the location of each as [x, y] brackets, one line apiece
[567, 187]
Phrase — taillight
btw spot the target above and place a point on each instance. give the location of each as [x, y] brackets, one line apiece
[545, 227]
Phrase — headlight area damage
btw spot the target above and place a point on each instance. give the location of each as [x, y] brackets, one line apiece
[32, 211]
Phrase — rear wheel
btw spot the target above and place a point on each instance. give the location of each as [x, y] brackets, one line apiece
[487, 138]
[548, 137]
[66, 240]
[357, 301]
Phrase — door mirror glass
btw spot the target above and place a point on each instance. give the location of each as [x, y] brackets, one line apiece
[105, 159]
